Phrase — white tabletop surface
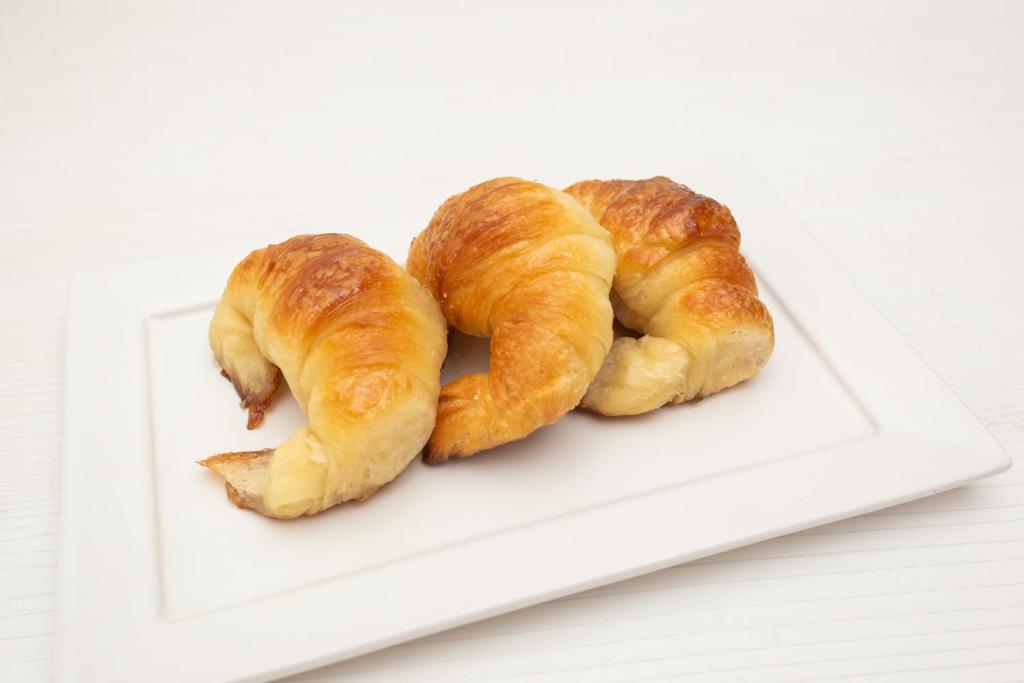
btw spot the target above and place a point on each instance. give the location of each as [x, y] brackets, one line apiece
[894, 130]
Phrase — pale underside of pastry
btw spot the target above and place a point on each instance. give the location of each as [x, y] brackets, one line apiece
[681, 282]
[360, 344]
[528, 267]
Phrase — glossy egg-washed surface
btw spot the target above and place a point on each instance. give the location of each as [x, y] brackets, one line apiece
[527, 266]
[682, 281]
[360, 344]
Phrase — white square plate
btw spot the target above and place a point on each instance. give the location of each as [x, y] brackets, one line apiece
[161, 579]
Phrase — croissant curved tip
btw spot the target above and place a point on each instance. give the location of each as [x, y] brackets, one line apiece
[243, 473]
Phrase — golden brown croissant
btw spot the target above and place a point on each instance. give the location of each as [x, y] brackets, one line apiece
[361, 345]
[682, 281]
[527, 266]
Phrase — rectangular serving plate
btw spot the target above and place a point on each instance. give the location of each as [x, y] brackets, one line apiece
[162, 580]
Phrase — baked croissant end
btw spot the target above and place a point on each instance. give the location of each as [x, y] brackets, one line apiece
[527, 266]
[682, 282]
[361, 345]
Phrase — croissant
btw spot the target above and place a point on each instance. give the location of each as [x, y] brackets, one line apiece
[527, 266]
[682, 282]
[361, 345]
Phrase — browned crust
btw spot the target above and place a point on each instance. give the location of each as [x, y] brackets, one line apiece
[315, 278]
[435, 455]
[652, 218]
[256, 404]
[233, 456]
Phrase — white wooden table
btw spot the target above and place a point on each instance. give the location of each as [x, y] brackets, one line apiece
[895, 131]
